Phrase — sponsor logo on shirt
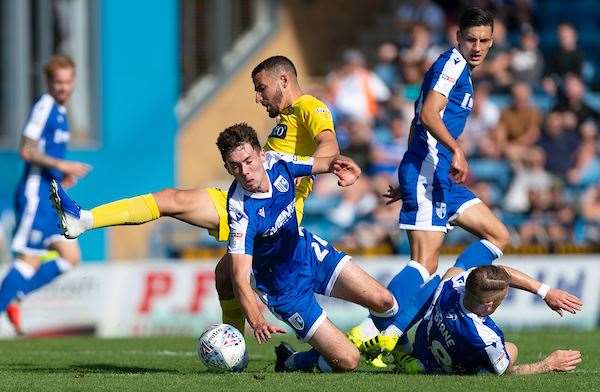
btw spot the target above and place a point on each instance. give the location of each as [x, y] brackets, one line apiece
[283, 217]
[279, 131]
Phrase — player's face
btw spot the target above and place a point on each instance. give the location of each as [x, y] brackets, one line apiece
[246, 165]
[61, 85]
[269, 92]
[474, 44]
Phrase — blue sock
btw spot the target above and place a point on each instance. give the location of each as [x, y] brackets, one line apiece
[403, 287]
[304, 361]
[47, 272]
[478, 253]
[417, 306]
[14, 282]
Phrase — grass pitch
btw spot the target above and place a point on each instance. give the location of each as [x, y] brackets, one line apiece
[171, 364]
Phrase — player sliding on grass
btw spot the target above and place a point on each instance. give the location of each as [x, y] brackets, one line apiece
[304, 127]
[288, 264]
[457, 334]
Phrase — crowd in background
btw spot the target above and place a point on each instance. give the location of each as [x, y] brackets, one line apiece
[531, 139]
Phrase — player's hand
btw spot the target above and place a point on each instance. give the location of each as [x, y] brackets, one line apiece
[68, 181]
[346, 170]
[563, 360]
[263, 331]
[559, 300]
[77, 169]
[392, 194]
[460, 167]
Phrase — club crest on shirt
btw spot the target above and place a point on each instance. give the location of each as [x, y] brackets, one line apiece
[440, 209]
[281, 184]
[279, 131]
[297, 321]
[261, 212]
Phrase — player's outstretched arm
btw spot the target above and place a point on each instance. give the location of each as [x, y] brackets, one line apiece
[556, 299]
[240, 275]
[558, 361]
[343, 167]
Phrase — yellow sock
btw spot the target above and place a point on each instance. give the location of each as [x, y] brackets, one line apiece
[233, 314]
[132, 211]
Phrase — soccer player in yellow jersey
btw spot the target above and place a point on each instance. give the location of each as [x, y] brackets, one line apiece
[304, 127]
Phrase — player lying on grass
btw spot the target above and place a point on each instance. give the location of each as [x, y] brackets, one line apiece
[288, 264]
[458, 336]
[304, 127]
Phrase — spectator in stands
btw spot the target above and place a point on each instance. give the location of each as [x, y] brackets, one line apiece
[388, 149]
[424, 12]
[387, 65]
[586, 170]
[356, 91]
[526, 62]
[412, 74]
[421, 50]
[590, 211]
[568, 58]
[571, 100]
[496, 68]
[519, 125]
[482, 121]
[529, 176]
[559, 145]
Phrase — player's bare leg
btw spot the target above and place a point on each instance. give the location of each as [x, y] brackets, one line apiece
[425, 247]
[332, 351]
[479, 220]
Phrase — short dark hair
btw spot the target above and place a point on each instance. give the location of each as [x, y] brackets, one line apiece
[274, 62]
[475, 16]
[486, 278]
[58, 61]
[235, 136]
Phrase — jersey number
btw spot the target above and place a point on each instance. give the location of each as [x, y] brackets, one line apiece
[319, 252]
[441, 355]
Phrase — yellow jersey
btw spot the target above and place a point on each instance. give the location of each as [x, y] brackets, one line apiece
[298, 126]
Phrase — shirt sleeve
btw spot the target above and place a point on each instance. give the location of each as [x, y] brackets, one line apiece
[241, 228]
[316, 116]
[496, 358]
[445, 80]
[38, 118]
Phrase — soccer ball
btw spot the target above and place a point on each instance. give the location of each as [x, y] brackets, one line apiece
[222, 348]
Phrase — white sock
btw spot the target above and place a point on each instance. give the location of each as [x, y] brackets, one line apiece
[63, 265]
[393, 331]
[87, 219]
[368, 328]
[26, 270]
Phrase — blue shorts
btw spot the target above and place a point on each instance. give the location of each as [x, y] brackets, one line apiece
[430, 199]
[37, 225]
[300, 309]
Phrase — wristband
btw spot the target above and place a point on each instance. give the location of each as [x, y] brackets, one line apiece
[542, 291]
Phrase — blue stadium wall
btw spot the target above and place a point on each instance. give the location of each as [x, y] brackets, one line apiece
[138, 80]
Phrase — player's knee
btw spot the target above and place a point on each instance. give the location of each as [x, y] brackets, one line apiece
[500, 237]
[223, 279]
[384, 300]
[513, 352]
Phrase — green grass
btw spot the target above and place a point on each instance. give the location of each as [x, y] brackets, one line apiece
[171, 364]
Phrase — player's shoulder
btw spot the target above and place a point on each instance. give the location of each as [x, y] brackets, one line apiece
[309, 103]
[44, 103]
[450, 63]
